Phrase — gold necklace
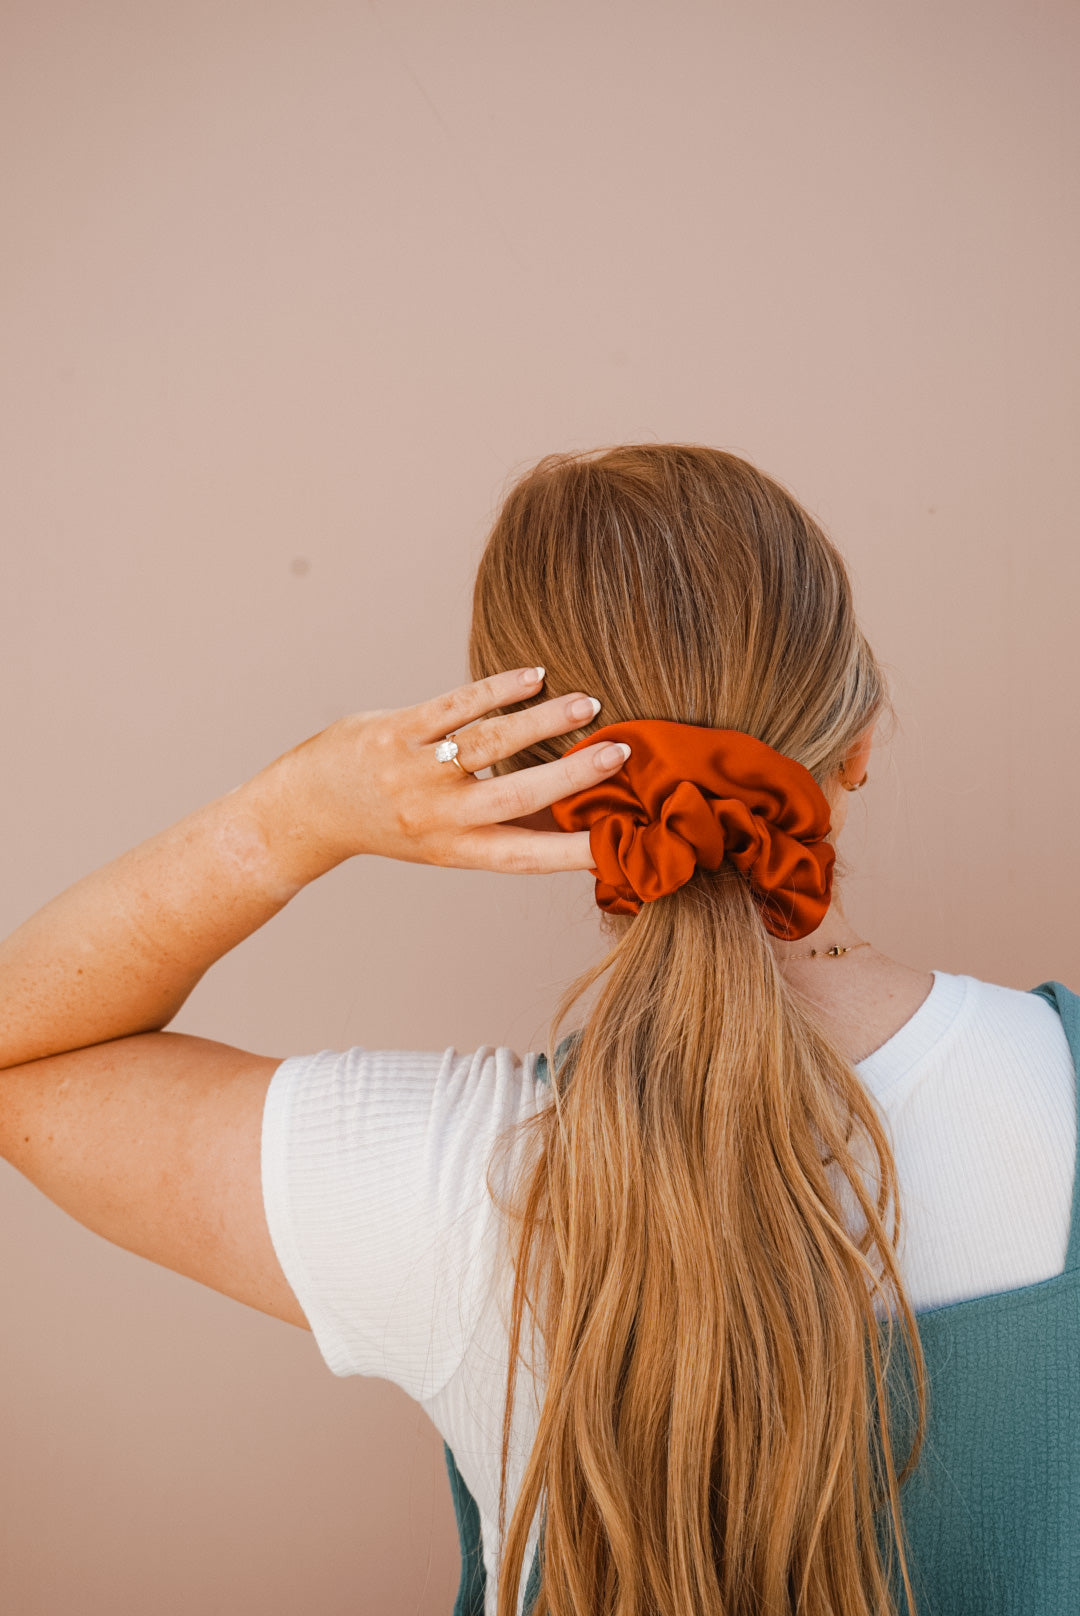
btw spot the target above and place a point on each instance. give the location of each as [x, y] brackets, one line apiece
[835, 951]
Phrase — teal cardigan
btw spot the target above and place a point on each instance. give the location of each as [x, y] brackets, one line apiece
[992, 1511]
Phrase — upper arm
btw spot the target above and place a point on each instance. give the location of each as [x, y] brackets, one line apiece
[154, 1142]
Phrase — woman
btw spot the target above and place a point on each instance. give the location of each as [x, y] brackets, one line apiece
[657, 1291]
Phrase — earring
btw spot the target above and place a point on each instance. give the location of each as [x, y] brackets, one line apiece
[861, 783]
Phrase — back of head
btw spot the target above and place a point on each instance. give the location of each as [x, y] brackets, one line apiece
[707, 1444]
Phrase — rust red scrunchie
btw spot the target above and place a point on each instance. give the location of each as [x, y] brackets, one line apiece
[689, 796]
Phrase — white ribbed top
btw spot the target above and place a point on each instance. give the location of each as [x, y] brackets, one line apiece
[374, 1165]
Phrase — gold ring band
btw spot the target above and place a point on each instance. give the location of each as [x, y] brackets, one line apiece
[446, 752]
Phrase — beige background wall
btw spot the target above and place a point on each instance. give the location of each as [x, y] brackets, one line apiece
[288, 292]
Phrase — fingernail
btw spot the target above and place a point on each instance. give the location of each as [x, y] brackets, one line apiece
[618, 752]
[584, 707]
[533, 676]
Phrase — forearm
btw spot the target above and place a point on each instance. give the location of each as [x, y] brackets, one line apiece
[120, 951]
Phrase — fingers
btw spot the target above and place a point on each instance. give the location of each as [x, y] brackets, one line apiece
[492, 739]
[515, 851]
[512, 796]
[432, 720]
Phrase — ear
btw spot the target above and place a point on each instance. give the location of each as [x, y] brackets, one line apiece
[853, 769]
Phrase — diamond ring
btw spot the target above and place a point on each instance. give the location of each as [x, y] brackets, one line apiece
[447, 752]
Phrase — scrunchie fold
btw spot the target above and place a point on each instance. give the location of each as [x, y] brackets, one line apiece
[690, 796]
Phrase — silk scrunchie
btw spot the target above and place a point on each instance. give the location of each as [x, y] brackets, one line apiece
[689, 796]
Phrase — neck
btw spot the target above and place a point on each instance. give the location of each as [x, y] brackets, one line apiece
[835, 930]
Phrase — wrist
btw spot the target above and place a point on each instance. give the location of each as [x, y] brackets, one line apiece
[282, 822]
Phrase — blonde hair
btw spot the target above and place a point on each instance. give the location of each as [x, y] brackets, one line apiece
[708, 1443]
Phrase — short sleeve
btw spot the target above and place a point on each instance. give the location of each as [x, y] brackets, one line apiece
[374, 1168]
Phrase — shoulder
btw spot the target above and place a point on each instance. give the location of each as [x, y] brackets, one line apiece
[355, 1094]
[1049, 1014]
[399, 1126]
[376, 1183]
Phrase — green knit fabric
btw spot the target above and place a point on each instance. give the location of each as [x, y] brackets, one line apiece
[470, 1594]
[992, 1511]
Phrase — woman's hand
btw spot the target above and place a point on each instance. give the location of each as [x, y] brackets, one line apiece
[370, 783]
[119, 952]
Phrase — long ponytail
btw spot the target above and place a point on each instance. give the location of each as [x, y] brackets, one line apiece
[705, 1235]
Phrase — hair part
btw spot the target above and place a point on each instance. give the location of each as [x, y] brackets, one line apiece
[705, 1233]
